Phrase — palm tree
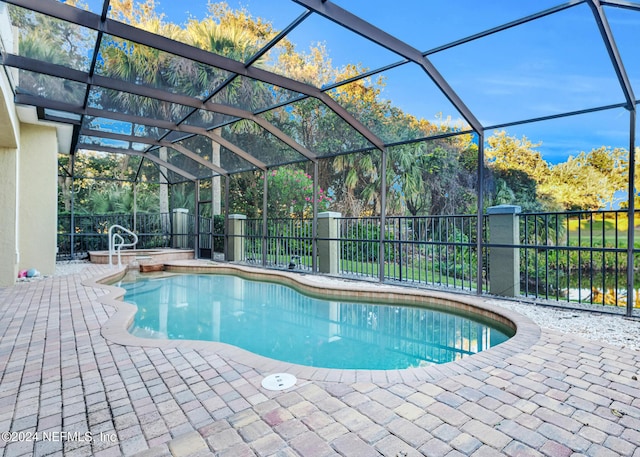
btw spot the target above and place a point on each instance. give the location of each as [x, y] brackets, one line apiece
[225, 32]
[228, 36]
[54, 41]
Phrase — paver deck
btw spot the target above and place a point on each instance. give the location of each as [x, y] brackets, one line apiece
[85, 395]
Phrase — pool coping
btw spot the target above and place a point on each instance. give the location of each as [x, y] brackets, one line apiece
[527, 333]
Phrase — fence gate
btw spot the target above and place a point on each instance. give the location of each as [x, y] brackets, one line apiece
[205, 231]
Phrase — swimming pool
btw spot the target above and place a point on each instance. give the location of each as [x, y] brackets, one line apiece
[277, 321]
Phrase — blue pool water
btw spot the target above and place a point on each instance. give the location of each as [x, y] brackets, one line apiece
[276, 321]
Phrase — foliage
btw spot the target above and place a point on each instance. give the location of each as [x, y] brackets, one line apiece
[290, 192]
[361, 243]
[434, 176]
[517, 169]
[54, 41]
[463, 255]
[218, 229]
[100, 185]
[589, 180]
[114, 198]
[431, 174]
[183, 196]
[245, 194]
[509, 153]
[290, 237]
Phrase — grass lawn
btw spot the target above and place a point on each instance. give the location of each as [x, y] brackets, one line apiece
[601, 230]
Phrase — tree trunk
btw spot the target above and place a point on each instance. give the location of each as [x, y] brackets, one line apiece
[164, 194]
[216, 188]
[64, 182]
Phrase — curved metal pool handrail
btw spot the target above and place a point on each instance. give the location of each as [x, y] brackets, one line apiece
[113, 246]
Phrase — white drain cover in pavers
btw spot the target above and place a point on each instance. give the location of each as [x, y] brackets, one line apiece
[279, 381]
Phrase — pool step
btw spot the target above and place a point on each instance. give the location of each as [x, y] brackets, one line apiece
[149, 267]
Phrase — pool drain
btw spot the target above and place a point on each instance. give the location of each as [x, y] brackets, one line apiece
[279, 381]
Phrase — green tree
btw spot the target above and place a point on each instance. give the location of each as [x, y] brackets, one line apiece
[588, 181]
[435, 177]
[518, 170]
[290, 193]
[100, 184]
[625, 202]
[613, 165]
[54, 41]
[234, 34]
[510, 153]
[245, 193]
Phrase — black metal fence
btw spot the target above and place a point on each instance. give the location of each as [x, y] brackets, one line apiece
[90, 232]
[565, 257]
[422, 250]
[288, 243]
[576, 257]
[211, 236]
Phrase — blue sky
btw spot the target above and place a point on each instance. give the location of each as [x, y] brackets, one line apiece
[546, 67]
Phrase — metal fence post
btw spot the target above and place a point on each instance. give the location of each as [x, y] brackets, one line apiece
[504, 262]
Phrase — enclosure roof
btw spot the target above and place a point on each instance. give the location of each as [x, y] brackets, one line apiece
[198, 108]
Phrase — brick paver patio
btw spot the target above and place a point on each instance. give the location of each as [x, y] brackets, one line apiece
[85, 395]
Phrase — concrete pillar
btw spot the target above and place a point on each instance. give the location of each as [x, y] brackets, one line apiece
[9, 251]
[28, 206]
[37, 190]
[235, 243]
[328, 243]
[504, 263]
[9, 177]
[180, 228]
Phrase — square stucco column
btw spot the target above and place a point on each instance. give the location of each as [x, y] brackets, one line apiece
[235, 243]
[9, 173]
[37, 190]
[181, 228]
[328, 243]
[9, 251]
[504, 263]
